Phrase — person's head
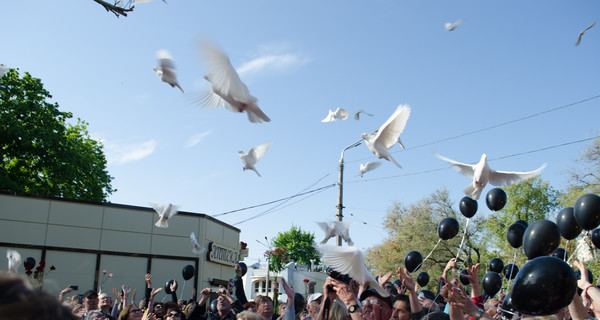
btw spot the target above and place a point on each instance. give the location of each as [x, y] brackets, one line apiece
[313, 305]
[376, 307]
[90, 300]
[247, 315]
[96, 315]
[104, 301]
[299, 303]
[401, 308]
[264, 306]
[338, 311]
[19, 300]
[250, 306]
[223, 304]
[282, 307]
[303, 315]
[436, 315]
[389, 287]
[131, 312]
[172, 312]
[159, 308]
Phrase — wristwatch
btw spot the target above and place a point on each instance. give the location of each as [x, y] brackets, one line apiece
[353, 308]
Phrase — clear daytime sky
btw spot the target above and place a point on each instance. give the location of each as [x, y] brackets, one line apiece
[507, 61]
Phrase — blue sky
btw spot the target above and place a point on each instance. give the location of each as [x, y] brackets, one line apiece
[507, 61]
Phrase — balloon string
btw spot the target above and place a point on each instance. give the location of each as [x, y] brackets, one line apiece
[420, 264]
[577, 248]
[463, 238]
[511, 278]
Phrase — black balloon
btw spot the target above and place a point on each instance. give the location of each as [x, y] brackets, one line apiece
[496, 199]
[514, 234]
[468, 207]
[491, 283]
[188, 272]
[423, 279]
[510, 271]
[561, 254]
[543, 286]
[464, 280]
[496, 265]
[596, 238]
[587, 211]
[523, 222]
[29, 263]
[398, 283]
[565, 220]
[507, 306]
[168, 286]
[589, 273]
[243, 267]
[447, 228]
[413, 260]
[541, 238]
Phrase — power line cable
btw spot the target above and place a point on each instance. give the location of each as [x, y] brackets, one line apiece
[490, 127]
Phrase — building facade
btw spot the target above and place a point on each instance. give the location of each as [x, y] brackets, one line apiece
[81, 239]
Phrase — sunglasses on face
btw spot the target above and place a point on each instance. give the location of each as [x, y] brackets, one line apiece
[370, 301]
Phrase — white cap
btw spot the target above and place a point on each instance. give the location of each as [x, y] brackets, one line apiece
[314, 297]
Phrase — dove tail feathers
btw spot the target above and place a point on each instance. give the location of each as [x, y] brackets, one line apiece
[162, 223]
[472, 191]
[178, 86]
[394, 162]
[256, 172]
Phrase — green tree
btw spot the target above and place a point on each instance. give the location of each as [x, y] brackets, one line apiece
[298, 245]
[415, 228]
[585, 179]
[43, 154]
[530, 200]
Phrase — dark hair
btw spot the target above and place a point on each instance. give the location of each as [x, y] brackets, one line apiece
[299, 303]
[172, 306]
[402, 297]
[261, 299]
[436, 315]
[125, 312]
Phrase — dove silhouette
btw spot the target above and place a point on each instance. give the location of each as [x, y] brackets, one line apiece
[583, 31]
[388, 134]
[357, 114]
[482, 174]
[253, 156]
[339, 113]
[165, 212]
[349, 260]
[451, 26]
[335, 228]
[196, 248]
[226, 87]
[369, 166]
[14, 260]
[166, 71]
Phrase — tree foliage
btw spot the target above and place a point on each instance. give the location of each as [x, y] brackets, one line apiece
[298, 245]
[41, 153]
[586, 178]
[415, 228]
[530, 200]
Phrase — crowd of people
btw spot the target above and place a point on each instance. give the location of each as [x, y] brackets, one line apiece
[341, 298]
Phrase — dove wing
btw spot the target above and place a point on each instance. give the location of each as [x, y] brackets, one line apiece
[506, 178]
[14, 260]
[341, 114]
[197, 249]
[463, 168]
[350, 261]
[372, 166]
[259, 151]
[173, 210]
[222, 74]
[159, 208]
[330, 117]
[389, 132]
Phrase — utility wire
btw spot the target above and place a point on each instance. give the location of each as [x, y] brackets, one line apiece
[490, 160]
[491, 127]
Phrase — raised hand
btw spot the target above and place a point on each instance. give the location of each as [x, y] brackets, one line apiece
[148, 278]
[154, 292]
[383, 279]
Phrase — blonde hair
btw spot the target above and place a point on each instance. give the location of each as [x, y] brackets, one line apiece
[247, 315]
[338, 311]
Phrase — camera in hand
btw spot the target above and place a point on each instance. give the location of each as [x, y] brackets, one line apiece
[338, 276]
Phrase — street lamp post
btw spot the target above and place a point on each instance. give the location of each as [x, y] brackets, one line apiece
[268, 262]
[340, 207]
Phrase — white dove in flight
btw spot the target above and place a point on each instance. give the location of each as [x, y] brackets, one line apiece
[339, 113]
[196, 249]
[388, 134]
[166, 72]
[350, 261]
[369, 166]
[335, 228]
[226, 87]
[482, 174]
[253, 156]
[451, 26]
[583, 31]
[165, 212]
[14, 260]
[357, 114]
